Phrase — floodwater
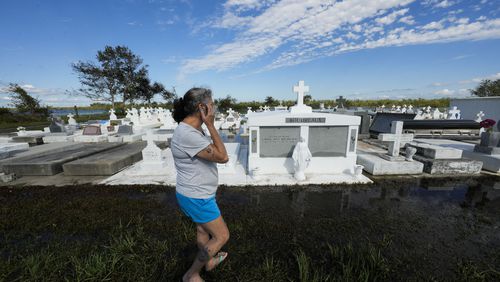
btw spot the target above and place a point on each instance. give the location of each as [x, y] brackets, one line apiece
[82, 112]
[429, 227]
[396, 229]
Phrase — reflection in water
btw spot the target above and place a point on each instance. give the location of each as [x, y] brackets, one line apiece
[334, 201]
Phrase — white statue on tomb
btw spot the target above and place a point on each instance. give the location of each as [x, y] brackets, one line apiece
[382, 108]
[410, 109]
[71, 119]
[479, 116]
[454, 113]
[112, 115]
[398, 109]
[301, 157]
[249, 111]
[419, 116]
[135, 116]
[393, 108]
[427, 113]
[21, 131]
[404, 109]
[436, 114]
[129, 114]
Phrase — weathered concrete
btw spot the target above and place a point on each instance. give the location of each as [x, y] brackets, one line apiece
[8, 150]
[375, 165]
[50, 162]
[58, 137]
[436, 152]
[450, 166]
[108, 162]
[490, 162]
[32, 140]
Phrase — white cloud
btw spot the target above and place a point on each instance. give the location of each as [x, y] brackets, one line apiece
[298, 31]
[479, 79]
[433, 25]
[409, 20]
[445, 92]
[438, 3]
[445, 4]
[461, 57]
[390, 18]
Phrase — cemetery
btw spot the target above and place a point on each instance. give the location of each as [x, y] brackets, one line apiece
[339, 165]
[250, 140]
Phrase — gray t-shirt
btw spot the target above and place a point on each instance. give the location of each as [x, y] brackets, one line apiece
[196, 177]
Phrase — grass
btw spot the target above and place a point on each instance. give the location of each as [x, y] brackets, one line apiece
[83, 233]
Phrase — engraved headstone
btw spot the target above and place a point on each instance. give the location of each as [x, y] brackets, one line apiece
[56, 126]
[125, 130]
[278, 141]
[92, 130]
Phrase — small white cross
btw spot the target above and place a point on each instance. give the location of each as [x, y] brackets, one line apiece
[395, 138]
[150, 138]
[300, 89]
[454, 113]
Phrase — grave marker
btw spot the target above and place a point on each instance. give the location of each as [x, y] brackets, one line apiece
[92, 130]
[395, 138]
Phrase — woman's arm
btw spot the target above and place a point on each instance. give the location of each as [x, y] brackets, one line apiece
[215, 152]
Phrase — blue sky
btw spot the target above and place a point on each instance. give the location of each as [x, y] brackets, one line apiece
[251, 49]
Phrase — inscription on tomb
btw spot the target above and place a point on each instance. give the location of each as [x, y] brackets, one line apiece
[278, 142]
[305, 120]
[328, 141]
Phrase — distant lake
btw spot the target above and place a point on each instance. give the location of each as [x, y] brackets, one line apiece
[65, 112]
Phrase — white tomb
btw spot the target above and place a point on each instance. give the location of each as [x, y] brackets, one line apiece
[331, 139]
[233, 150]
[152, 156]
[232, 120]
[391, 163]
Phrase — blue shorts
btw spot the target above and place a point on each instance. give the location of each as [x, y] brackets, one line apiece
[199, 210]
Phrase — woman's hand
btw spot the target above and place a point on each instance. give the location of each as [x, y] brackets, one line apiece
[208, 117]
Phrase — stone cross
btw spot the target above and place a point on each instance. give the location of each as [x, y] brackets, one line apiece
[479, 116]
[300, 89]
[112, 115]
[396, 137]
[71, 120]
[150, 139]
[454, 113]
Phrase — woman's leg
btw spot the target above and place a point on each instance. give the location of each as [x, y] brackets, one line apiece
[202, 236]
[220, 235]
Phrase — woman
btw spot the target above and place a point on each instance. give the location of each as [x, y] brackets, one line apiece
[195, 156]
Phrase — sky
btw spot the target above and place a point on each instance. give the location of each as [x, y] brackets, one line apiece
[250, 49]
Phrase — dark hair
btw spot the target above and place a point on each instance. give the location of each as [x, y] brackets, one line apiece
[188, 104]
